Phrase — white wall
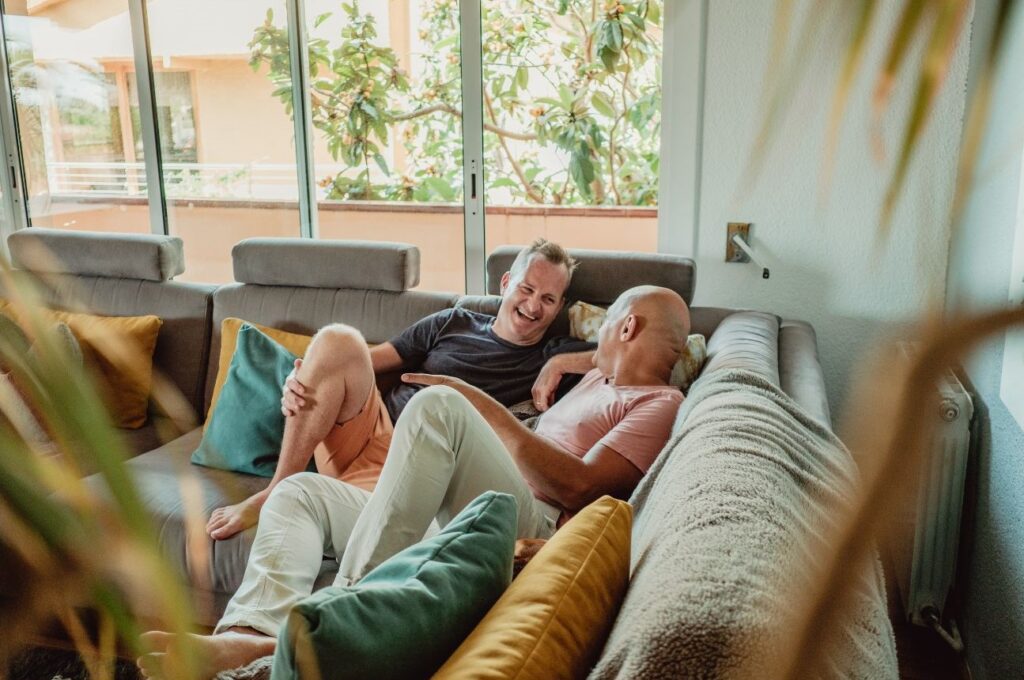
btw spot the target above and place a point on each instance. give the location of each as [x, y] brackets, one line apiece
[992, 574]
[826, 266]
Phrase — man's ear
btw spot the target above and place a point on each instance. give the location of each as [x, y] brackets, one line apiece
[629, 327]
[505, 278]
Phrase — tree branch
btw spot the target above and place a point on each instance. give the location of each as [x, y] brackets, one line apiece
[448, 108]
[518, 169]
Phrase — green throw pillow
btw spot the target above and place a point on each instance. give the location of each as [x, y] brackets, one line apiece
[407, 616]
[246, 426]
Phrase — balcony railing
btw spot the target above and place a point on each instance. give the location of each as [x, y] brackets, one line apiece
[245, 181]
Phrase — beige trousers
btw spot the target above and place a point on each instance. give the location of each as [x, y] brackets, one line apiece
[443, 455]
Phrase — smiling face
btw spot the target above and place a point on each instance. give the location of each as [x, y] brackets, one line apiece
[530, 300]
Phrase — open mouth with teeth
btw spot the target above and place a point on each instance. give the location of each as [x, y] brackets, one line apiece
[523, 315]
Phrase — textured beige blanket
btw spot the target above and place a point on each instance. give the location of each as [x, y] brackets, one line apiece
[728, 526]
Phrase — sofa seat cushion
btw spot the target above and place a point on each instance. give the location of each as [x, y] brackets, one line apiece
[158, 476]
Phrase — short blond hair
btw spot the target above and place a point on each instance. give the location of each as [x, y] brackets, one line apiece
[550, 251]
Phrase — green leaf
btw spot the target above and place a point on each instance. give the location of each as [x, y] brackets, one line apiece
[522, 77]
[563, 7]
[321, 19]
[654, 12]
[578, 172]
[441, 188]
[565, 95]
[503, 182]
[614, 31]
[381, 163]
[608, 57]
[601, 103]
[369, 109]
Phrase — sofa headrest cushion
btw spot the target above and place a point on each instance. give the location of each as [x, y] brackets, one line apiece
[149, 257]
[603, 275]
[308, 263]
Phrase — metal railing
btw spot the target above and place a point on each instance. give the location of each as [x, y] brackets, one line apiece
[246, 181]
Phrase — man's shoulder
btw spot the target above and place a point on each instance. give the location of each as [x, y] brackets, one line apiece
[462, 317]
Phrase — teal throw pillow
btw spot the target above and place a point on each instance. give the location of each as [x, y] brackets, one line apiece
[246, 427]
[407, 616]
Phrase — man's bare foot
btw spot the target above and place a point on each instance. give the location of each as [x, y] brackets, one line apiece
[203, 656]
[227, 521]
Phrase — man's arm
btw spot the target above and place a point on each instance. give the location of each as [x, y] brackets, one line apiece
[571, 482]
[546, 384]
[384, 358]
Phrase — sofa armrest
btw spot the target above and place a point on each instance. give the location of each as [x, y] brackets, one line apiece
[800, 372]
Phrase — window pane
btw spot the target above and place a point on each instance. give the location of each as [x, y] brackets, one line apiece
[572, 116]
[386, 105]
[222, 79]
[71, 71]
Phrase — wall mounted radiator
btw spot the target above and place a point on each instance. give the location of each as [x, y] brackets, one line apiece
[926, 543]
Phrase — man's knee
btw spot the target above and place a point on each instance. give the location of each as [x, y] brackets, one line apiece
[293, 490]
[438, 408]
[433, 401]
[337, 343]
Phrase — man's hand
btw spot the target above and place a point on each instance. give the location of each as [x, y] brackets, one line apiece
[480, 400]
[550, 376]
[546, 384]
[429, 379]
[293, 393]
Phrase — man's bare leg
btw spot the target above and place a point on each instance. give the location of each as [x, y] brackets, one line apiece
[208, 654]
[338, 377]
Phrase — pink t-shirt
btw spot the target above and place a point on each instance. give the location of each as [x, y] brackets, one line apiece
[635, 422]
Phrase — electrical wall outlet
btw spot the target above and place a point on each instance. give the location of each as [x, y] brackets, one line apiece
[732, 252]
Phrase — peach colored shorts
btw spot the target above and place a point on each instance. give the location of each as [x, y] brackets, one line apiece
[363, 440]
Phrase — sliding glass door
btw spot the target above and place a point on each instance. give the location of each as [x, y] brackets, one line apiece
[386, 109]
[222, 82]
[572, 118]
[454, 126]
[67, 64]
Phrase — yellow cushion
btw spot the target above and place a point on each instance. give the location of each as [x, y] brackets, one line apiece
[554, 618]
[295, 343]
[119, 350]
[585, 323]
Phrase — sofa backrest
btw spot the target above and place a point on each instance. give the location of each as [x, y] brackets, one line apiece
[126, 275]
[299, 285]
[604, 274]
[601, 277]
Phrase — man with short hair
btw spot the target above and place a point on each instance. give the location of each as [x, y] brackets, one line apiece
[338, 417]
[453, 443]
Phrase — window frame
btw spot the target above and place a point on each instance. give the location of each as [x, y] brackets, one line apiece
[685, 28]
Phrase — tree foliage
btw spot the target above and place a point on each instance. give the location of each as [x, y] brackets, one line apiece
[571, 101]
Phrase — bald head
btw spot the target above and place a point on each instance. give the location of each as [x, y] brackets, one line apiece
[663, 310]
[647, 324]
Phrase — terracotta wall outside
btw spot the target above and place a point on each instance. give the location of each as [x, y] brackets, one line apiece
[209, 231]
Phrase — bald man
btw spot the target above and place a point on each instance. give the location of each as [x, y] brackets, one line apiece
[452, 443]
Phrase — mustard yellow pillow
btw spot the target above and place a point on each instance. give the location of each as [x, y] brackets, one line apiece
[119, 351]
[554, 618]
[295, 343]
[585, 323]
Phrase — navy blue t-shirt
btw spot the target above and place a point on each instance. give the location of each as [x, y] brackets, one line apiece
[462, 344]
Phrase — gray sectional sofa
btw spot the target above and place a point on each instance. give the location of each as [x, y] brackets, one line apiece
[299, 286]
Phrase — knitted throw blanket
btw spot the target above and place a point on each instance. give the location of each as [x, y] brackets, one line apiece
[729, 522]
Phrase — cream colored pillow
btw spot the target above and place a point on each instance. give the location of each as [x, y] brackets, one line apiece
[585, 323]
